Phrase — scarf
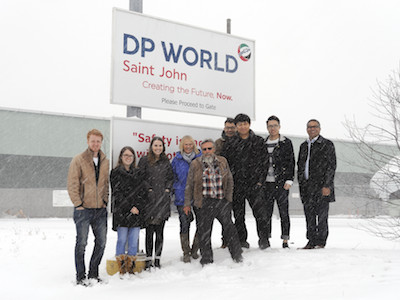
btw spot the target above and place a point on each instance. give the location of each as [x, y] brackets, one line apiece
[188, 157]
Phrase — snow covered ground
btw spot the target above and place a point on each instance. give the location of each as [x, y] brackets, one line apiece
[37, 262]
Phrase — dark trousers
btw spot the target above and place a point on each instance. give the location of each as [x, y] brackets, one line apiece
[97, 219]
[158, 230]
[316, 209]
[274, 193]
[220, 210]
[259, 208]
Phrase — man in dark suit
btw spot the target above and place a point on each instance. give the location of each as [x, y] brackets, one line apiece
[316, 171]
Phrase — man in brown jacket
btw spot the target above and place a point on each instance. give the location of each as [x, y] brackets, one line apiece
[88, 190]
[209, 186]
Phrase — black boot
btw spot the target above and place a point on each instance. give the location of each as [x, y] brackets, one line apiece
[264, 244]
[157, 263]
[148, 265]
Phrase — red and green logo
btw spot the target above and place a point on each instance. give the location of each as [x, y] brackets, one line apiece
[244, 52]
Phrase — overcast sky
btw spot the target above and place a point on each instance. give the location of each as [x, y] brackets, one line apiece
[314, 59]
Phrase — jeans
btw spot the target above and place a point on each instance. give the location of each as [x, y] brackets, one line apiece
[97, 219]
[281, 196]
[183, 220]
[128, 235]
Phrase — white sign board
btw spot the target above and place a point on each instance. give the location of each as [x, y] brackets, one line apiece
[165, 65]
[138, 134]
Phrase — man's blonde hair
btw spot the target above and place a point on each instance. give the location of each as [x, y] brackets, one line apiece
[94, 132]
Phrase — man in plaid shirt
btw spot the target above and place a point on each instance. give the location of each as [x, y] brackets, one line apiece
[209, 189]
[212, 180]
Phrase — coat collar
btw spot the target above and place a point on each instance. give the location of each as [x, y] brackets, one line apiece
[223, 135]
[88, 154]
[251, 135]
[319, 139]
[281, 138]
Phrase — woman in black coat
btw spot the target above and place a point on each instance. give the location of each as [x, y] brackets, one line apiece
[127, 207]
[158, 178]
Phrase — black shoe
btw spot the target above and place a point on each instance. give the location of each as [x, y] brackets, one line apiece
[206, 262]
[238, 259]
[96, 279]
[186, 258]
[308, 246]
[82, 282]
[157, 263]
[194, 255]
[245, 245]
[285, 245]
[223, 246]
[264, 244]
[319, 247]
[148, 265]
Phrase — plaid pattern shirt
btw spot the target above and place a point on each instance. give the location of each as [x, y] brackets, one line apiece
[212, 181]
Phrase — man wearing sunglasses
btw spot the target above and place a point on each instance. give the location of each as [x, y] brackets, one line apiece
[316, 167]
[209, 187]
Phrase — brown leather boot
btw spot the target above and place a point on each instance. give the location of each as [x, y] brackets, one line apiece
[185, 247]
[130, 263]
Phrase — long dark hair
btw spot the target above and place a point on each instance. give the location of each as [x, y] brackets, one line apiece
[151, 156]
[120, 163]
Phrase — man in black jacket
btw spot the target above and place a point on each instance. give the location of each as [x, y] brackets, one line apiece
[280, 167]
[316, 171]
[245, 155]
[228, 132]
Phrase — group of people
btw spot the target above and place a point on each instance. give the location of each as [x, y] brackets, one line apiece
[263, 172]
[206, 184]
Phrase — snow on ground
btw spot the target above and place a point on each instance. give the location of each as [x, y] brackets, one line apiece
[37, 262]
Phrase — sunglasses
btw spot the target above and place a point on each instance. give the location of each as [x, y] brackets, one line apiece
[209, 148]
